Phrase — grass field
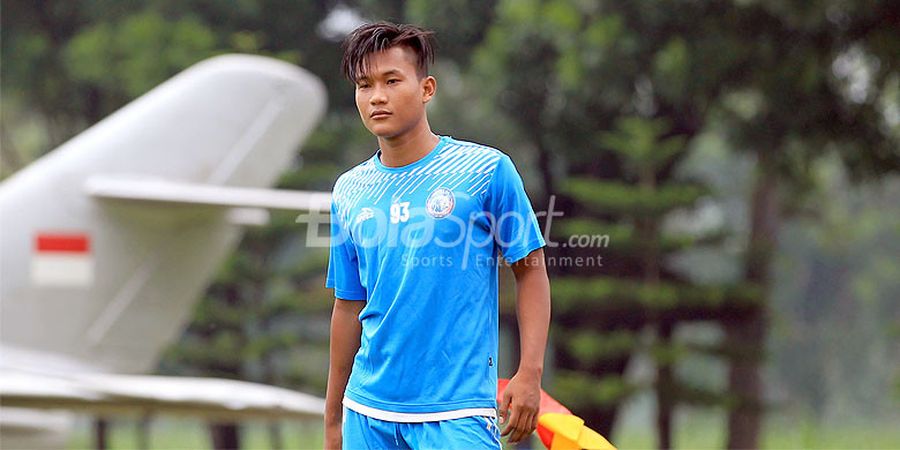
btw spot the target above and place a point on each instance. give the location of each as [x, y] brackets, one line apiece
[707, 431]
[698, 432]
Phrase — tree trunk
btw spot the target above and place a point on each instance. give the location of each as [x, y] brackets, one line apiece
[225, 436]
[665, 403]
[143, 431]
[100, 435]
[747, 334]
[649, 229]
[276, 440]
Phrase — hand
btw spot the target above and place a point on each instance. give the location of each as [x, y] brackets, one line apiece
[333, 437]
[520, 405]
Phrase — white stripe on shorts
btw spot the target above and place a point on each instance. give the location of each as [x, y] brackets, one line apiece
[417, 417]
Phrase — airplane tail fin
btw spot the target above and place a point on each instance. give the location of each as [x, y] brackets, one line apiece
[230, 120]
[113, 282]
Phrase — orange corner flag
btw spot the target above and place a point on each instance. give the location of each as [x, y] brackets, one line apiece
[559, 429]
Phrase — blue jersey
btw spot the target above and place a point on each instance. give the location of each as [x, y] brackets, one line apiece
[419, 244]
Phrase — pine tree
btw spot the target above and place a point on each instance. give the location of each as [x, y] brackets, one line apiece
[608, 310]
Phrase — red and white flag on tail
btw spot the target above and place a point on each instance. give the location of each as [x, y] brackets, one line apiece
[62, 259]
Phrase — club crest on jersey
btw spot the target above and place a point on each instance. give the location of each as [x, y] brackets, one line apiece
[440, 203]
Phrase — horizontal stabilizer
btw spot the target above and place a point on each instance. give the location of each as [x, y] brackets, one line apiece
[101, 393]
[173, 192]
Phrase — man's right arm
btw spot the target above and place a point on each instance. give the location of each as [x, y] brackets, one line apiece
[345, 336]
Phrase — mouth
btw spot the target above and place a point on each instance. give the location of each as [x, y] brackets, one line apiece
[379, 114]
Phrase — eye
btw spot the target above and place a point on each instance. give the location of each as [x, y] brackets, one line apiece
[362, 85]
[393, 81]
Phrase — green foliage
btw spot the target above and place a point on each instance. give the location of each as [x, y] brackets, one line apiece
[605, 97]
[590, 346]
[838, 271]
[671, 68]
[642, 144]
[579, 390]
[573, 295]
[137, 53]
[619, 198]
[455, 37]
[622, 238]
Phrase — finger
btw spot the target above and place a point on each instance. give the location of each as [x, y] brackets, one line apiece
[529, 427]
[504, 406]
[522, 429]
[534, 422]
[512, 422]
[518, 432]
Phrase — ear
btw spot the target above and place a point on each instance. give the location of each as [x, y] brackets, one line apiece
[429, 86]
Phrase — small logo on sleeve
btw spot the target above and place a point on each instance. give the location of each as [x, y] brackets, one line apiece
[364, 214]
[440, 203]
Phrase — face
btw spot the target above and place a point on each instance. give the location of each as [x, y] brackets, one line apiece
[390, 97]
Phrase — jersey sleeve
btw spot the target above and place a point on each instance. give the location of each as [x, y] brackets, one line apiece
[343, 264]
[516, 229]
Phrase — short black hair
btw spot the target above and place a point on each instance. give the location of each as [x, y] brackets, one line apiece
[376, 37]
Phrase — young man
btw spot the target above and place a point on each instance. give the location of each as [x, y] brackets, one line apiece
[416, 233]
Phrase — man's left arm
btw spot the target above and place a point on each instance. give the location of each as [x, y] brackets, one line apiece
[521, 400]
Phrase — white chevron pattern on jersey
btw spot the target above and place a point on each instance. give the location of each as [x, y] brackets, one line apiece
[459, 165]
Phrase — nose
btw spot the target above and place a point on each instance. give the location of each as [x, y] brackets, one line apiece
[378, 96]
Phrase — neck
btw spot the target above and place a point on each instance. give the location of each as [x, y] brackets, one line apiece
[409, 147]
